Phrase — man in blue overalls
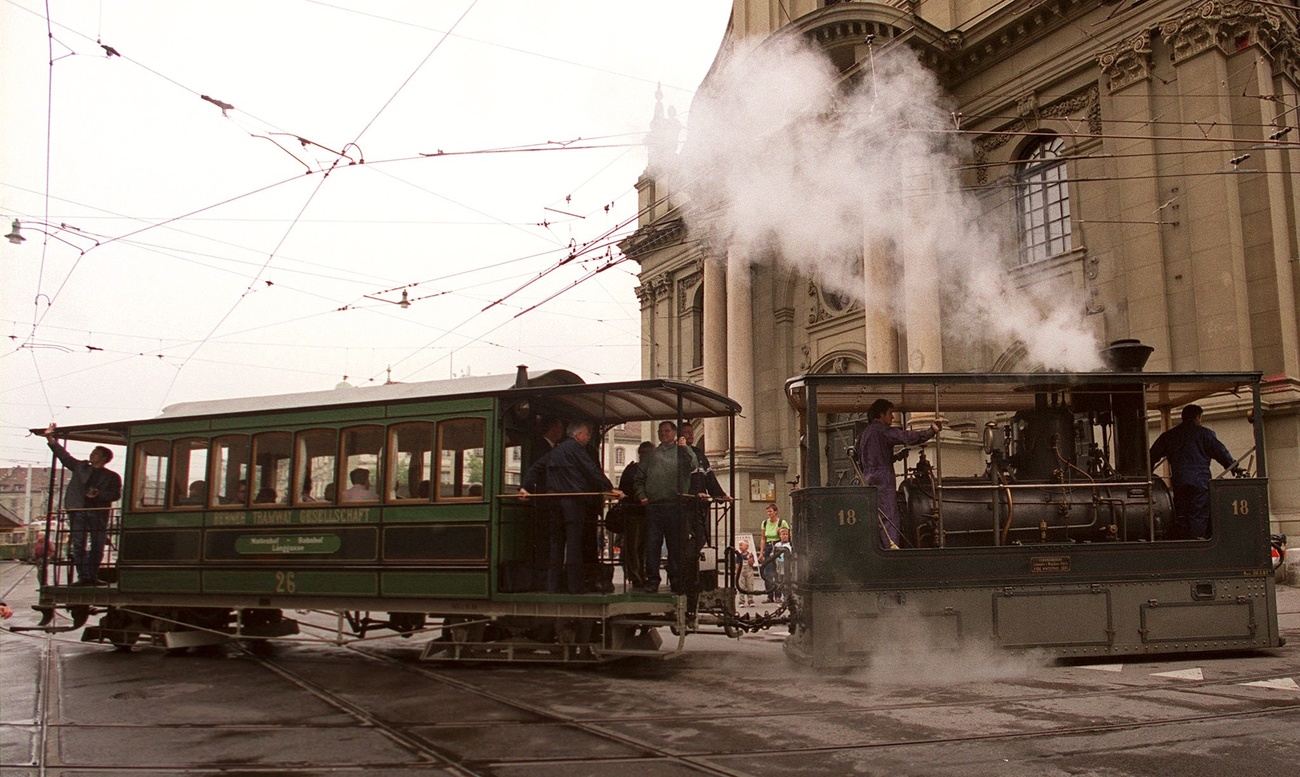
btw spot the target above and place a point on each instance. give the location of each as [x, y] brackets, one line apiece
[1189, 448]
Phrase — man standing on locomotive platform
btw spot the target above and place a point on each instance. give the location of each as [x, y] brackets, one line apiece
[705, 486]
[660, 482]
[1189, 446]
[90, 494]
[875, 452]
[571, 472]
[633, 511]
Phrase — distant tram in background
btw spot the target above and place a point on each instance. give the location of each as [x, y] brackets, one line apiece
[1035, 523]
[237, 514]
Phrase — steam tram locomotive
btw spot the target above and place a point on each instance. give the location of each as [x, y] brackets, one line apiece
[379, 510]
[1034, 522]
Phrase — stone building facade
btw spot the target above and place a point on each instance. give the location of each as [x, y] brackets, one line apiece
[25, 492]
[1138, 153]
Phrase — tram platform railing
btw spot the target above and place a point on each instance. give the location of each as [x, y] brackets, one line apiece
[55, 555]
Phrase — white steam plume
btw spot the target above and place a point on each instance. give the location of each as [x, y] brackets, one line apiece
[783, 162]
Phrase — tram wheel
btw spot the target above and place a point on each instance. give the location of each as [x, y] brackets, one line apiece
[117, 627]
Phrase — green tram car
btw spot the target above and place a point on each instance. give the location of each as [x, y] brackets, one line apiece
[1035, 521]
[238, 513]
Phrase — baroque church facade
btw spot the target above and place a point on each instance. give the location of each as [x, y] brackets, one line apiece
[1140, 152]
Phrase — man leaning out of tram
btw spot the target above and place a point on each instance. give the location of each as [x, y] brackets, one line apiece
[578, 481]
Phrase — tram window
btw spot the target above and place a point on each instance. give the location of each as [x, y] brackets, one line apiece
[512, 458]
[460, 456]
[410, 461]
[189, 472]
[363, 449]
[318, 451]
[150, 485]
[272, 452]
[230, 470]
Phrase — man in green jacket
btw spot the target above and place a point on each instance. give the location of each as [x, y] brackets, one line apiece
[661, 481]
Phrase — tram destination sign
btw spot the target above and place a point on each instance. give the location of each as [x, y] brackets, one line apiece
[288, 543]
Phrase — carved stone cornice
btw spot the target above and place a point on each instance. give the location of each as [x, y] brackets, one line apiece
[651, 237]
[1031, 116]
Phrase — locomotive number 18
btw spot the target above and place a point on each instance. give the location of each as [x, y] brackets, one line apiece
[848, 517]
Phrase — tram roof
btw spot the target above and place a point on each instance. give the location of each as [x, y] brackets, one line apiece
[918, 392]
[561, 393]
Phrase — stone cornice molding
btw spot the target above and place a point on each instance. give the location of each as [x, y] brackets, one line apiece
[649, 238]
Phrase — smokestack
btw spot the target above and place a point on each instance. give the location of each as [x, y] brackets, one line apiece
[1126, 355]
[521, 376]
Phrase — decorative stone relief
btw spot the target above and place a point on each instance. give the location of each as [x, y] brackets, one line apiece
[686, 290]
[829, 304]
[1087, 100]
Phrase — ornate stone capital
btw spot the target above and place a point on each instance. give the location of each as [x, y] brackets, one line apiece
[1228, 26]
[655, 289]
[1127, 63]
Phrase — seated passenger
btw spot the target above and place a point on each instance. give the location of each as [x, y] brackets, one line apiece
[423, 492]
[476, 489]
[305, 495]
[239, 497]
[265, 495]
[330, 492]
[360, 490]
[197, 495]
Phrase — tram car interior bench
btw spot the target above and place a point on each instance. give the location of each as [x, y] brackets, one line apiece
[1034, 522]
[371, 511]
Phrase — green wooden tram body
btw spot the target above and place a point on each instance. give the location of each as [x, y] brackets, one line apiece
[444, 555]
[1121, 587]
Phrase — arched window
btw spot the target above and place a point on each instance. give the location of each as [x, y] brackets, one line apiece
[1043, 201]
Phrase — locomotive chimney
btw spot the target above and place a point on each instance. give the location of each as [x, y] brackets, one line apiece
[521, 376]
[1127, 355]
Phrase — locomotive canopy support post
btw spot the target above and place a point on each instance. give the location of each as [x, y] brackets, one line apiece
[936, 482]
[812, 443]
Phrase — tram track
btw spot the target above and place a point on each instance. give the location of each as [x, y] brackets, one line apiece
[704, 760]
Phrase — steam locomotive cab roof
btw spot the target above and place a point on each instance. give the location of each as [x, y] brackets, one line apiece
[923, 392]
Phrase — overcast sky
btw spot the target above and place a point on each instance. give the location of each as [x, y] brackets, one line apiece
[241, 250]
